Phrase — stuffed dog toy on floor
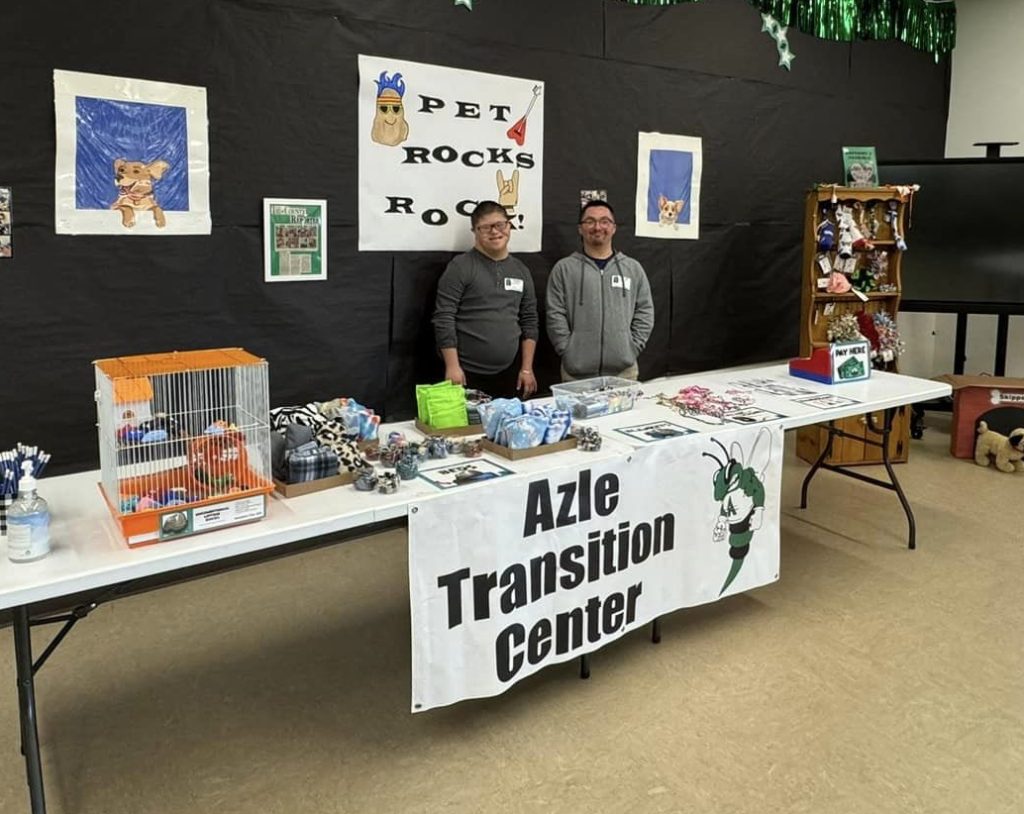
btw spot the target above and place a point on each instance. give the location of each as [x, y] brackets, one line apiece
[668, 211]
[134, 181]
[1008, 452]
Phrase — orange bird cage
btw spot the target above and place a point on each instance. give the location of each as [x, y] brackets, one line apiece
[184, 441]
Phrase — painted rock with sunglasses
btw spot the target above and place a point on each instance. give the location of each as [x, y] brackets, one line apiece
[389, 125]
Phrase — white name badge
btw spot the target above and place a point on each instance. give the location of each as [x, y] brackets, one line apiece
[513, 284]
[618, 281]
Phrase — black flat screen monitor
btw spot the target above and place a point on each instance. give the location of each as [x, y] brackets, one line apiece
[965, 236]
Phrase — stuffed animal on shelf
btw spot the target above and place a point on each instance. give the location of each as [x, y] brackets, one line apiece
[826, 233]
[1008, 452]
[892, 215]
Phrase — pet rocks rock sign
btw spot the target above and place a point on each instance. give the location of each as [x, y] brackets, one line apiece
[132, 157]
[435, 141]
[560, 564]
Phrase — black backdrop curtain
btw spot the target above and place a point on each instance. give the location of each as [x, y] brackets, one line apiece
[281, 82]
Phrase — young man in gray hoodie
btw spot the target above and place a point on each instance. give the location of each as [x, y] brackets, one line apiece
[599, 308]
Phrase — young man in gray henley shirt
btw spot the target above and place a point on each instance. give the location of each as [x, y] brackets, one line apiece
[599, 308]
[485, 316]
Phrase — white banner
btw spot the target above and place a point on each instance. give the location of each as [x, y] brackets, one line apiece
[561, 564]
[433, 142]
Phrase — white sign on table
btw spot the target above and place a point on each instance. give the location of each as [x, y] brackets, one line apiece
[539, 571]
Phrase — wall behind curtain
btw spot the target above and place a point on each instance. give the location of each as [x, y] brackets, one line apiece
[281, 79]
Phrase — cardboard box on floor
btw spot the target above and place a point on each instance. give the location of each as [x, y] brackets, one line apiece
[998, 400]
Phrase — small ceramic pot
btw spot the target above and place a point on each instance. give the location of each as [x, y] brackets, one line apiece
[408, 467]
[387, 483]
[366, 480]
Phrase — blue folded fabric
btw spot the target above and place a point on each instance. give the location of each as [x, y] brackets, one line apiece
[523, 431]
[493, 413]
[559, 422]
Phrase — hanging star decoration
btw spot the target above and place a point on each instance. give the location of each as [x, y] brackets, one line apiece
[467, 3]
[778, 33]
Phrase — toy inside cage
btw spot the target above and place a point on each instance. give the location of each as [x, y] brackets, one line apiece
[184, 441]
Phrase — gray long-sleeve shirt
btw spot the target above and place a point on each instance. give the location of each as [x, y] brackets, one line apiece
[484, 308]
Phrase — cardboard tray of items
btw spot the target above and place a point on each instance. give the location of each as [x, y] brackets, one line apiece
[469, 429]
[310, 486]
[518, 454]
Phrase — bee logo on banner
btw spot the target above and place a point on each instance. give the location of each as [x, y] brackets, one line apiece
[434, 142]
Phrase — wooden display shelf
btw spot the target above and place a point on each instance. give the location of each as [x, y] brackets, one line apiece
[814, 324]
[871, 295]
[825, 192]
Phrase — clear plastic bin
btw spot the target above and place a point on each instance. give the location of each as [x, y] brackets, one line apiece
[590, 398]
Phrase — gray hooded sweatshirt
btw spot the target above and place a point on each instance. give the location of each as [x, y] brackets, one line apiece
[598, 321]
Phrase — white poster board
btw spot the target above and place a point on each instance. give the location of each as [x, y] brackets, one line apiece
[294, 239]
[132, 157]
[668, 175]
[434, 142]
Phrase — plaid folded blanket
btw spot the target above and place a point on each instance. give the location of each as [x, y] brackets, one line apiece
[311, 462]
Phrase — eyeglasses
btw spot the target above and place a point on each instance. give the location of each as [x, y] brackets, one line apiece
[597, 222]
[500, 226]
[394, 108]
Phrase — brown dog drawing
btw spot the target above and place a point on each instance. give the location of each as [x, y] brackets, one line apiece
[134, 181]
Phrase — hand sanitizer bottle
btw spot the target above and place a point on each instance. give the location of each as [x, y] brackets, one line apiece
[28, 521]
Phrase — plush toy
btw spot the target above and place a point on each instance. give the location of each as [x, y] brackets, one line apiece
[892, 215]
[826, 233]
[1007, 451]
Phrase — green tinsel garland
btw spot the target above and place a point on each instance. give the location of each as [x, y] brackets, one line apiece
[925, 26]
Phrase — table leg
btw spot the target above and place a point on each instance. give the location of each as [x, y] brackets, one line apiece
[585, 666]
[27, 709]
[656, 630]
[885, 431]
[825, 452]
